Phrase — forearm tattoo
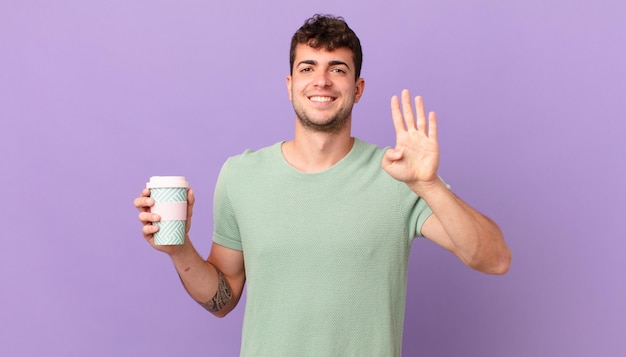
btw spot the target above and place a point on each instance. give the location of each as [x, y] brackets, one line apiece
[222, 295]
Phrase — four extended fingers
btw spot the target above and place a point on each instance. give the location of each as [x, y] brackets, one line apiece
[405, 119]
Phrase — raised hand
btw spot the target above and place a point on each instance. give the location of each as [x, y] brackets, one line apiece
[415, 159]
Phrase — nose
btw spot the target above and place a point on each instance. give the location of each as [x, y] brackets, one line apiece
[322, 79]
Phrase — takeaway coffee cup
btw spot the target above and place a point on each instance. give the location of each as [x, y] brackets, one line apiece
[170, 202]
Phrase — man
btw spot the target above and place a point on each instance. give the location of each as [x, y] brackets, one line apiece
[320, 226]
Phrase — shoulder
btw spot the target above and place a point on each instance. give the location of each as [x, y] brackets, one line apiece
[368, 151]
[364, 169]
[249, 167]
[368, 157]
[251, 159]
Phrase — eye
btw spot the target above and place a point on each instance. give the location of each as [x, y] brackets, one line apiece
[338, 70]
[306, 69]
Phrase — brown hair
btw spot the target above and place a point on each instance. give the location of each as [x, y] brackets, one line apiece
[330, 32]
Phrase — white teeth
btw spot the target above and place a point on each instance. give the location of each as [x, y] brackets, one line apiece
[321, 99]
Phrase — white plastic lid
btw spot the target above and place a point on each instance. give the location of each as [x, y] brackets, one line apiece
[167, 181]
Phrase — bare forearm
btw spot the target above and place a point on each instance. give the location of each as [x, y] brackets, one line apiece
[476, 239]
[204, 282]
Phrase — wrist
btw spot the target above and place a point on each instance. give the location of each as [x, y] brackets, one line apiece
[426, 189]
[179, 252]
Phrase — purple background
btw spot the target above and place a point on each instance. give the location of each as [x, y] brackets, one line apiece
[95, 97]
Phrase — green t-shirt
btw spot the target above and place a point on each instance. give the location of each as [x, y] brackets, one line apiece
[325, 253]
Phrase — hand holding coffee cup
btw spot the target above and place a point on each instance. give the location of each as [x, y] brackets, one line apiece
[169, 194]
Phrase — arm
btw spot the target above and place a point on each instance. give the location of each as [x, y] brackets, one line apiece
[454, 225]
[215, 283]
[474, 238]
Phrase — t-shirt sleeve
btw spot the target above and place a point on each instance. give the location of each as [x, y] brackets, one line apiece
[420, 213]
[226, 230]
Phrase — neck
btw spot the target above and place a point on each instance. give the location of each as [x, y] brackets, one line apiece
[314, 151]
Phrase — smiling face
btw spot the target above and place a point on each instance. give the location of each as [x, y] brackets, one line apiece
[323, 88]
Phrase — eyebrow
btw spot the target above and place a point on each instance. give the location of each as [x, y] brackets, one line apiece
[331, 63]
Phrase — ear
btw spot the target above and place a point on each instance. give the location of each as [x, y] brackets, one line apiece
[360, 87]
[289, 86]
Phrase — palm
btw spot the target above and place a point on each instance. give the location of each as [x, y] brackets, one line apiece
[415, 158]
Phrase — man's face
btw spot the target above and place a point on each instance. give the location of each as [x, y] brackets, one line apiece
[323, 88]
